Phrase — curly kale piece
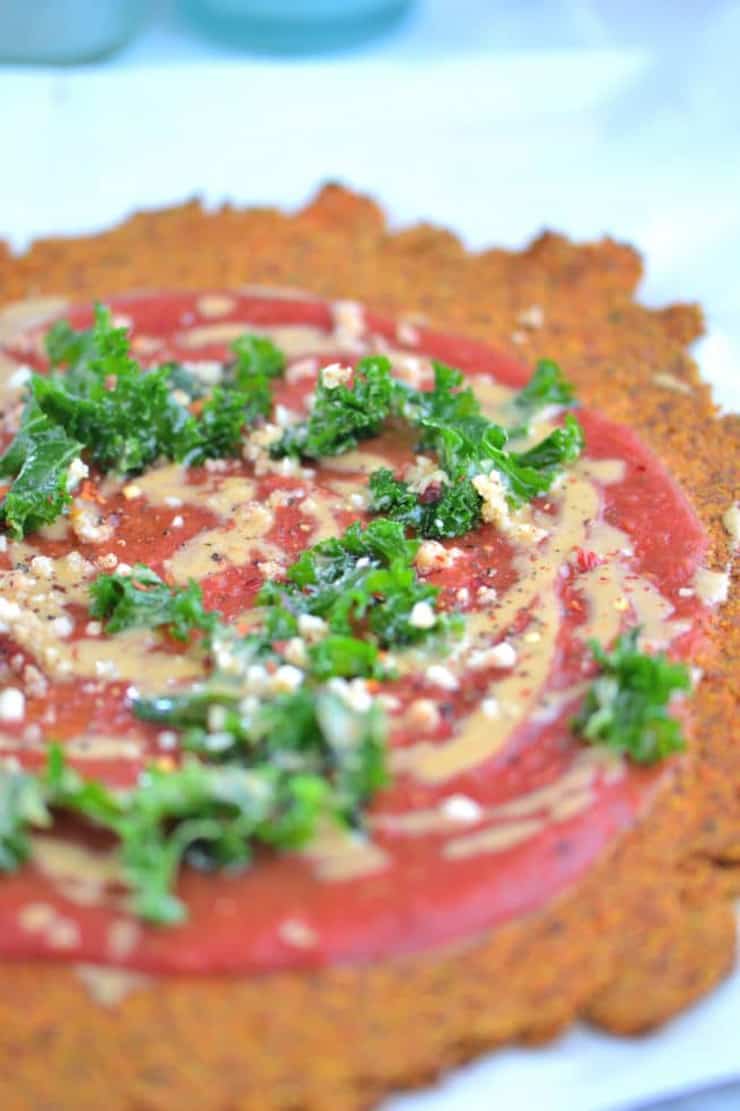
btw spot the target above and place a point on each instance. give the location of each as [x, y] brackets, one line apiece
[626, 706]
[143, 599]
[342, 415]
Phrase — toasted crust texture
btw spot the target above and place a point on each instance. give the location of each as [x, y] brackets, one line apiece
[652, 927]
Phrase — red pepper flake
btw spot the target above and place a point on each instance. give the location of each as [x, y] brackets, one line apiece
[90, 492]
[586, 561]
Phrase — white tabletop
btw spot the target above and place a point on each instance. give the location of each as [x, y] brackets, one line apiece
[493, 119]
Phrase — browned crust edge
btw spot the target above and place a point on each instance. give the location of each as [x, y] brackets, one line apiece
[650, 929]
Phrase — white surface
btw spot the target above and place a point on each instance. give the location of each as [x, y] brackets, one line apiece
[625, 128]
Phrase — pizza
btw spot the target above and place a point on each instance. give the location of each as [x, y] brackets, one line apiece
[354, 671]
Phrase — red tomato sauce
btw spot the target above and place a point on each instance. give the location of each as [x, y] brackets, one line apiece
[419, 898]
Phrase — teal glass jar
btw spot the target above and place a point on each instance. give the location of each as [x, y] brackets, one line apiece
[66, 32]
[295, 26]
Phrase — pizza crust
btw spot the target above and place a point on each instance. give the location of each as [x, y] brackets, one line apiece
[650, 929]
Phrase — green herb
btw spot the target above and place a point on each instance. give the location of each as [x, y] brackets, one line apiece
[626, 707]
[125, 418]
[343, 415]
[122, 417]
[244, 395]
[454, 512]
[362, 580]
[184, 381]
[143, 599]
[38, 462]
[462, 456]
[208, 816]
[22, 806]
[547, 386]
[446, 405]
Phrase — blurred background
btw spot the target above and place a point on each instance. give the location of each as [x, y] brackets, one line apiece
[496, 119]
[589, 116]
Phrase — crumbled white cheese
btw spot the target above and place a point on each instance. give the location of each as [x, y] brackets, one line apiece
[412, 369]
[312, 628]
[178, 521]
[407, 333]
[498, 655]
[296, 933]
[106, 669]
[270, 569]
[208, 371]
[213, 305]
[286, 679]
[76, 472]
[442, 677]
[463, 595]
[10, 612]
[131, 491]
[87, 523]
[490, 708]
[256, 679]
[107, 562]
[422, 616]
[713, 587]
[486, 594]
[295, 652]
[461, 808]
[172, 501]
[349, 323]
[19, 377]
[433, 556]
[353, 692]
[63, 626]
[423, 714]
[12, 704]
[42, 567]
[284, 416]
[533, 317]
[256, 450]
[93, 628]
[495, 509]
[335, 375]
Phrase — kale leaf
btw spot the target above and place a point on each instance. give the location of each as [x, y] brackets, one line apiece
[38, 461]
[454, 512]
[141, 598]
[22, 806]
[244, 395]
[342, 415]
[363, 580]
[547, 386]
[626, 706]
[124, 418]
